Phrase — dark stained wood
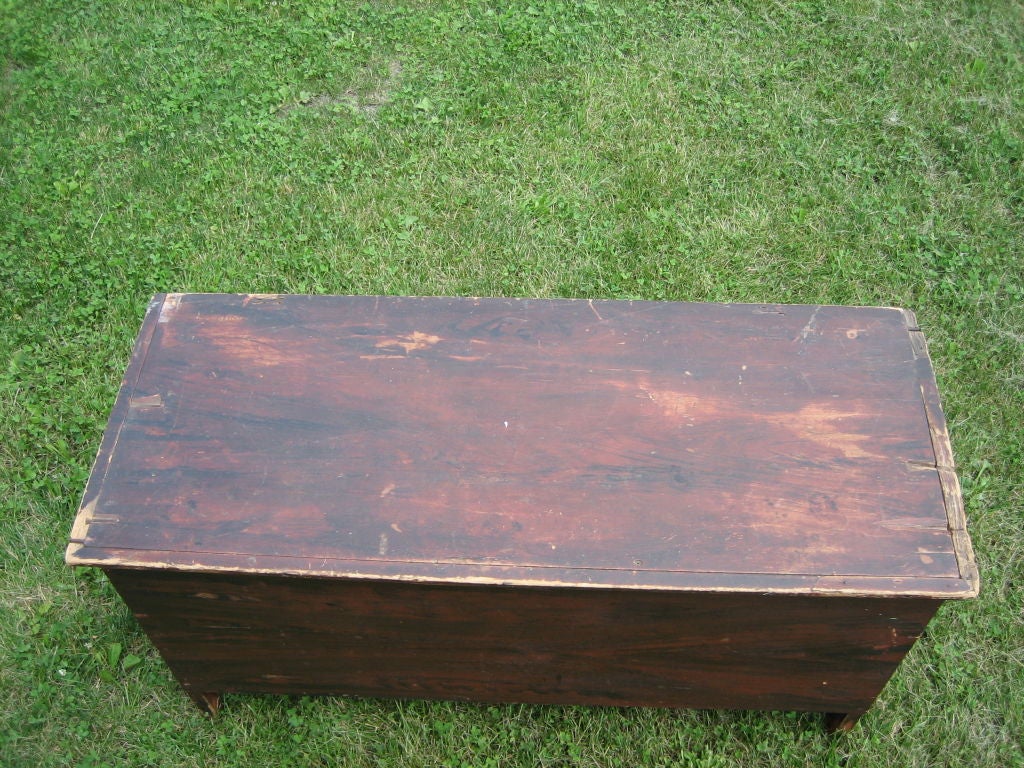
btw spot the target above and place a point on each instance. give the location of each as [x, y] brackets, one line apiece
[593, 502]
[841, 721]
[611, 442]
[246, 632]
[207, 701]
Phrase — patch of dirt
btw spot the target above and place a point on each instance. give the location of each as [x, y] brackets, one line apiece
[367, 100]
[377, 98]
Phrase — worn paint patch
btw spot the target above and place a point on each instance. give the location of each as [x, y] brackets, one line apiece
[824, 426]
[260, 298]
[233, 338]
[676, 404]
[168, 308]
[410, 342]
[146, 401]
[810, 327]
[80, 528]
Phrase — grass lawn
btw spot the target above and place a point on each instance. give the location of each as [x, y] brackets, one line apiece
[855, 151]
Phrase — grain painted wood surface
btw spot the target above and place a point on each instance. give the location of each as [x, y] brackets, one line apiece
[535, 442]
[273, 634]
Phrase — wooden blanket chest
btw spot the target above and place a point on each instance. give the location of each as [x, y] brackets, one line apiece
[561, 501]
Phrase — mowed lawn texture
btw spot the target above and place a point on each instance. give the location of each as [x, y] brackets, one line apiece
[797, 152]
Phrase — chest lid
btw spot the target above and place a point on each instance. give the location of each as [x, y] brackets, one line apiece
[657, 445]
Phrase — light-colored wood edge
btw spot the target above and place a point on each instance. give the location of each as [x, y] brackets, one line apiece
[90, 496]
[174, 299]
[956, 517]
[941, 588]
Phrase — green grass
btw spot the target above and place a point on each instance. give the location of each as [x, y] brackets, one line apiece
[805, 151]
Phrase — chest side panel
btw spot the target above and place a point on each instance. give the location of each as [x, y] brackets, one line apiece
[606, 647]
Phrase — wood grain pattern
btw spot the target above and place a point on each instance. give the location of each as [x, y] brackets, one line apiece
[598, 443]
[245, 632]
[574, 502]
